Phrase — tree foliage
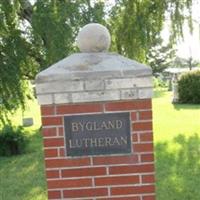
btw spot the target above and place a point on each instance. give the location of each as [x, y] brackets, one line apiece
[137, 24]
[161, 56]
[36, 35]
[55, 25]
[32, 37]
[14, 60]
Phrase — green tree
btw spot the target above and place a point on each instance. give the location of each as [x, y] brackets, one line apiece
[55, 25]
[32, 37]
[161, 56]
[13, 58]
[135, 25]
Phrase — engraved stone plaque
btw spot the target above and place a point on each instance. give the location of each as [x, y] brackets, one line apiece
[97, 134]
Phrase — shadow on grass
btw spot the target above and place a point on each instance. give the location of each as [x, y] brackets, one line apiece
[179, 106]
[159, 92]
[22, 177]
[178, 170]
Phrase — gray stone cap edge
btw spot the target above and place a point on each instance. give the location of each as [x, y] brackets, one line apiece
[93, 77]
[82, 66]
[89, 97]
[94, 90]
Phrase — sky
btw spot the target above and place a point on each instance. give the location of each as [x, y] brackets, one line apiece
[190, 46]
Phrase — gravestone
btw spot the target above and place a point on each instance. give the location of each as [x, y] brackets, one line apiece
[28, 121]
[97, 123]
[175, 97]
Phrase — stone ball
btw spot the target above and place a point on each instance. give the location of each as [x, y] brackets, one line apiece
[93, 38]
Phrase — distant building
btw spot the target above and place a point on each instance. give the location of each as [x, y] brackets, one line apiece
[175, 70]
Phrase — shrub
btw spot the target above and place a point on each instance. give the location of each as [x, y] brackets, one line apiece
[189, 87]
[12, 141]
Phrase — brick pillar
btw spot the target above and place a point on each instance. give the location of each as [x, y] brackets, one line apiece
[64, 91]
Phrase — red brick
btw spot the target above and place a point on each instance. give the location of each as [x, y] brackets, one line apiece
[116, 180]
[55, 163]
[144, 104]
[148, 178]
[54, 194]
[60, 131]
[149, 197]
[145, 115]
[49, 132]
[112, 160]
[92, 192]
[52, 184]
[53, 142]
[145, 147]
[118, 106]
[144, 137]
[79, 108]
[147, 157]
[95, 171]
[51, 121]
[48, 153]
[142, 126]
[133, 116]
[131, 169]
[135, 137]
[121, 198]
[47, 110]
[62, 152]
[133, 190]
[129, 105]
[52, 174]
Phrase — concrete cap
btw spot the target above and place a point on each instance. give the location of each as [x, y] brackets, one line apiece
[94, 74]
[87, 66]
[93, 38]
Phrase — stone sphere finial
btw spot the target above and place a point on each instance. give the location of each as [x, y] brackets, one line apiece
[93, 38]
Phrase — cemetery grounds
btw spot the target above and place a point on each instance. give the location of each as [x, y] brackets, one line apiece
[177, 151]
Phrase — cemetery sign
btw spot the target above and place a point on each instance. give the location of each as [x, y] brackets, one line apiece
[97, 134]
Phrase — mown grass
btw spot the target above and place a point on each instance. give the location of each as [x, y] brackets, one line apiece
[177, 146]
[178, 171]
[22, 177]
[170, 120]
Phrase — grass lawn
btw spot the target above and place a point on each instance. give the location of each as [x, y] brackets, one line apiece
[22, 177]
[177, 145]
[171, 120]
